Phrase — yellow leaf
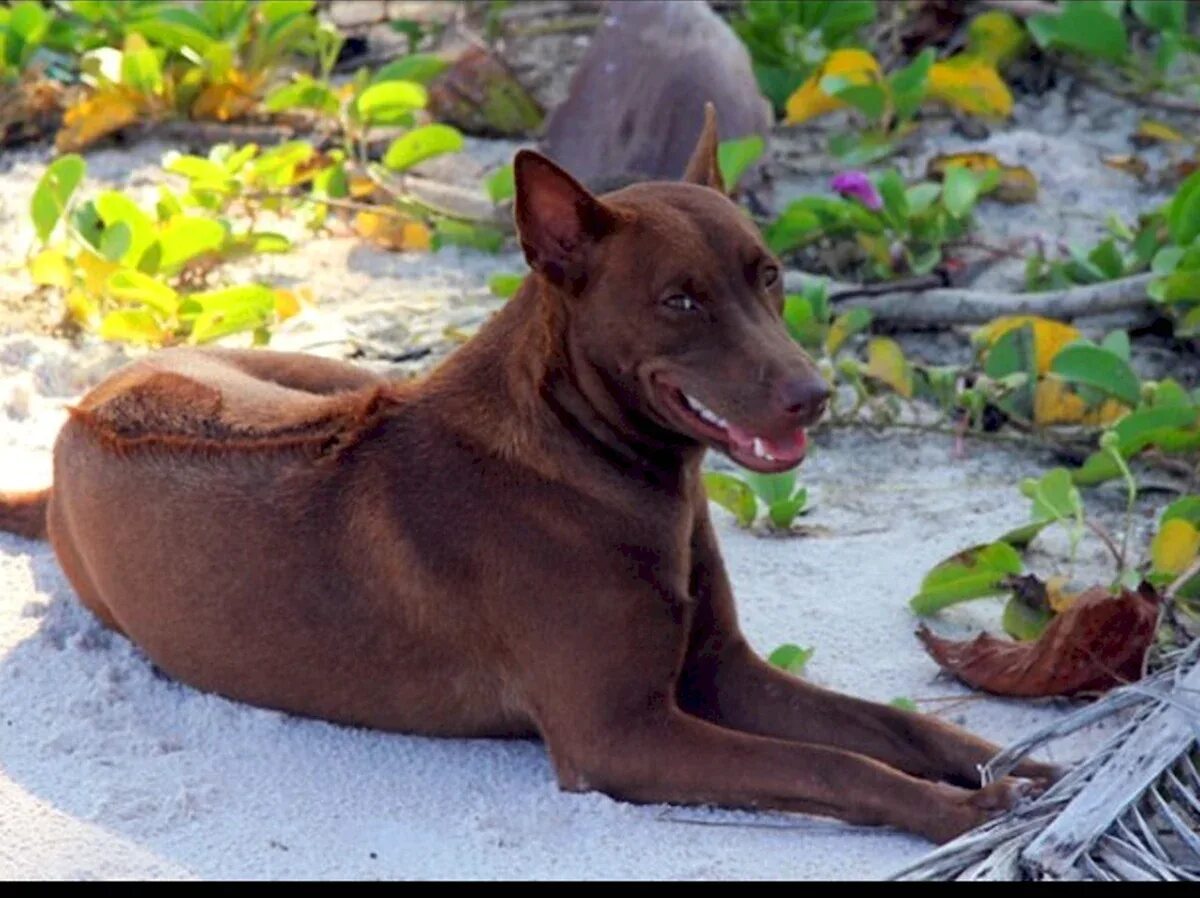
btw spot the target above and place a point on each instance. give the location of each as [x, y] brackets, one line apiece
[82, 307]
[1017, 183]
[1054, 403]
[360, 186]
[97, 116]
[50, 268]
[972, 85]
[392, 232]
[1057, 596]
[1049, 336]
[417, 236]
[96, 272]
[809, 101]
[1149, 132]
[1108, 412]
[995, 37]
[228, 99]
[287, 304]
[886, 363]
[1175, 546]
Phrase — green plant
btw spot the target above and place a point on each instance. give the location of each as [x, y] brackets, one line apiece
[135, 275]
[1099, 31]
[899, 229]
[788, 40]
[791, 657]
[741, 494]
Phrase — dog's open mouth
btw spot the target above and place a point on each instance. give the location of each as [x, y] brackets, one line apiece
[766, 455]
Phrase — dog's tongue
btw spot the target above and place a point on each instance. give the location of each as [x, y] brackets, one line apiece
[788, 448]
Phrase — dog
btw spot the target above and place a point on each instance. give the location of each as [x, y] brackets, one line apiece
[517, 545]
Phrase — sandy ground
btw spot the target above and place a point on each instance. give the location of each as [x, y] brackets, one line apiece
[109, 770]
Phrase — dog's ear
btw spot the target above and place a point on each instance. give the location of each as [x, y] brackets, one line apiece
[558, 221]
[702, 168]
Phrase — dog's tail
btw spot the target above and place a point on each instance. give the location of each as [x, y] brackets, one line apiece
[24, 513]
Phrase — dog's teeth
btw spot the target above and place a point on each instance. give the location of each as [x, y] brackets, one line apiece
[759, 449]
[704, 411]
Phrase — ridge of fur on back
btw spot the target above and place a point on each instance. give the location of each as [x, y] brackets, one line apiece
[175, 413]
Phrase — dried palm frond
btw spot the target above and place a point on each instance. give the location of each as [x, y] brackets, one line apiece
[1130, 811]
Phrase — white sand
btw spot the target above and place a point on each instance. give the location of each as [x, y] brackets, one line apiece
[109, 770]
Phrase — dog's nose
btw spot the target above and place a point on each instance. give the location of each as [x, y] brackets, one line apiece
[804, 397]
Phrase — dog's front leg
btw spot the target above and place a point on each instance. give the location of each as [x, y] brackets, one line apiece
[725, 682]
[672, 757]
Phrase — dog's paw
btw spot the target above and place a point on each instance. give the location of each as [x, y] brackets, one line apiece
[969, 808]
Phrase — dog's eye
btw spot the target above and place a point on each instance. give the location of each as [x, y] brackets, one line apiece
[681, 302]
[769, 276]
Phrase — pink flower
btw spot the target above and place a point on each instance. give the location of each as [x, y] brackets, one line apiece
[859, 186]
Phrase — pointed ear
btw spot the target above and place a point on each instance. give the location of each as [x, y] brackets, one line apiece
[702, 168]
[559, 223]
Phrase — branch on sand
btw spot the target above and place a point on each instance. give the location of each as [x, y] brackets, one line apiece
[914, 304]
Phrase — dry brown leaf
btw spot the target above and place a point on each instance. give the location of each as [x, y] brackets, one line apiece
[97, 116]
[1099, 642]
[1131, 165]
[231, 98]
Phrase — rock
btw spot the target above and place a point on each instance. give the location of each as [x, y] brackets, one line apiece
[636, 102]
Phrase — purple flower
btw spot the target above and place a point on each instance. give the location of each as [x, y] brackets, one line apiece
[859, 186]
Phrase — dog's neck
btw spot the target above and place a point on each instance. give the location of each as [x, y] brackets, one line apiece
[528, 385]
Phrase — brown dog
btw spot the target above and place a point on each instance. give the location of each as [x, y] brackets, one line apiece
[520, 544]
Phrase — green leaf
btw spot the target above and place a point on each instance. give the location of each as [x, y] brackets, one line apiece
[1054, 496]
[420, 68]
[505, 284]
[1084, 26]
[895, 200]
[960, 191]
[1022, 622]
[791, 657]
[783, 512]
[908, 85]
[420, 144]
[500, 184]
[792, 228]
[304, 93]
[1096, 367]
[1161, 15]
[1020, 537]
[477, 236]
[973, 574]
[733, 495]
[735, 156]
[920, 197]
[1183, 215]
[120, 213]
[231, 310]
[904, 704]
[771, 487]
[132, 326]
[54, 191]
[133, 286]
[390, 101]
[869, 99]
[1117, 343]
[185, 237]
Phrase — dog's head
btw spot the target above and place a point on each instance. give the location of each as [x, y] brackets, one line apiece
[673, 307]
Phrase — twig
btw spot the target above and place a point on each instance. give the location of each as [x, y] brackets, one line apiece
[1106, 538]
[1182, 580]
[949, 306]
[1023, 9]
[1159, 101]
